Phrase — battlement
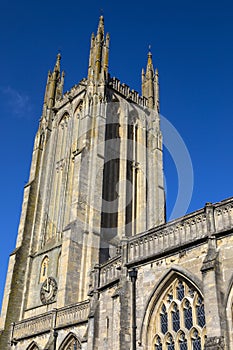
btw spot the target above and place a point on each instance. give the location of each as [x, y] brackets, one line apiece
[72, 93]
[113, 83]
[125, 90]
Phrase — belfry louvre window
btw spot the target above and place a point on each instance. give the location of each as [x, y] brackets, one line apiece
[179, 322]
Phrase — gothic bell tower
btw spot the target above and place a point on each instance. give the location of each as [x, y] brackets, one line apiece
[96, 177]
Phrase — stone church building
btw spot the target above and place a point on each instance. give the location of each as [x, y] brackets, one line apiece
[96, 266]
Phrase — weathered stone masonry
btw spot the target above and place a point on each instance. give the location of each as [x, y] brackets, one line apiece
[93, 211]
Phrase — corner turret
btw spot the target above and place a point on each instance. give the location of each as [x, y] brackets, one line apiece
[150, 84]
[54, 87]
[98, 58]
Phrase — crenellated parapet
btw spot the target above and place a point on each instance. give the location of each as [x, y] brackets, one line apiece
[126, 92]
[71, 94]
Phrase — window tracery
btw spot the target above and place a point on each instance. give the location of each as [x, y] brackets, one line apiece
[175, 318]
[158, 344]
[182, 342]
[170, 342]
[70, 343]
[32, 346]
[188, 315]
[200, 312]
[163, 319]
[196, 340]
[180, 320]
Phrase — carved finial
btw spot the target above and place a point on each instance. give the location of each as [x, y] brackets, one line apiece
[57, 65]
[98, 58]
[149, 61]
[101, 25]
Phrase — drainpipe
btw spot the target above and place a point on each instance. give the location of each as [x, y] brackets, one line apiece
[55, 335]
[133, 276]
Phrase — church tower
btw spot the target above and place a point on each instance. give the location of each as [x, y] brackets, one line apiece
[96, 179]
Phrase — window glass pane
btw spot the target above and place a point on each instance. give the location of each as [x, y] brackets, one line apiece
[158, 345]
[183, 342]
[196, 344]
[164, 325]
[170, 343]
[183, 345]
[188, 315]
[170, 296]
[200, 312]
[163, 308]
[180, 291]
[175, 318]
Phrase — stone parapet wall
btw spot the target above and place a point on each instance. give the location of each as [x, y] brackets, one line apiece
[223, 215]
[181, 232]
[165, 239]
[110, 271]
[55, 319]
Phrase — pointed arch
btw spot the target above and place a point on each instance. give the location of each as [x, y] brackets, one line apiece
[78, 107]
[33, 346]
[71, 342]
[44, 269]
[77, 138]
[181, 295]
[65, 116]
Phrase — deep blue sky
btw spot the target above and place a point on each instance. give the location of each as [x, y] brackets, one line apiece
[192, 46]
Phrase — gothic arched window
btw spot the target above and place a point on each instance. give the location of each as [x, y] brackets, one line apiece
[71, 342]
[32, 346]
[179, 318]
[182, 342]
[44, 269]
[196, 341]
[170, 342]
[158, 344]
